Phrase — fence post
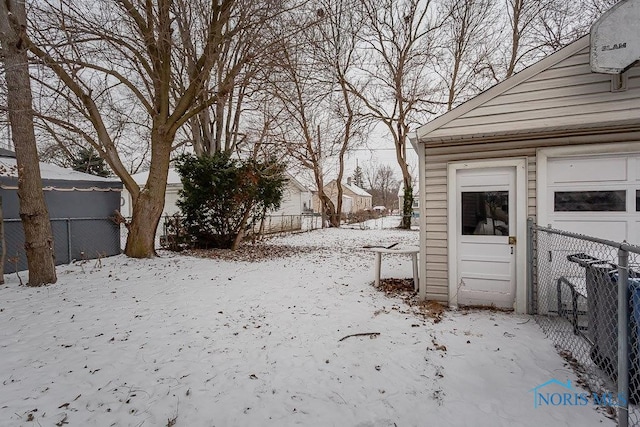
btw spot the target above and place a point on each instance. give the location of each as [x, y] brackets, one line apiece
[623, 337]
[68, 240]
[530, 266]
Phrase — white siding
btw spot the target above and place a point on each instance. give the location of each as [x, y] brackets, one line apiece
[171, 200]
[565, 95]
[292, 199]
[436, 163]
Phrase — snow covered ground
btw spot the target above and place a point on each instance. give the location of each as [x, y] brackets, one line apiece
[187, 341]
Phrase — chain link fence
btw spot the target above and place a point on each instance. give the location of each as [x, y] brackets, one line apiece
[586, 295]
[172, 235]
[73, 239]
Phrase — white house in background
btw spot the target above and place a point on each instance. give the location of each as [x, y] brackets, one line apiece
[171, 196]
[416, 200]
[296, 198]
[555, 142]
[296, 201]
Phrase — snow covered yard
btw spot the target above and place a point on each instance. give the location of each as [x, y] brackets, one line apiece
[186, 341]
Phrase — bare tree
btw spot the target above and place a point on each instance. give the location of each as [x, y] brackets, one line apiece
[319, 116]
[298, 97]
[236, 75]
[336, 50]
[382, 184]
[539, 27]
[123, 58]
[467, 39]
[398, 42]
[33, 209]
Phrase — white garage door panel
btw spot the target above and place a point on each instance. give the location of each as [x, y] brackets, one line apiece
[619, 172]
[587, 170]
[604, 229]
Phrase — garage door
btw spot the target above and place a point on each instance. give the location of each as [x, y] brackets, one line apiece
[595, 195]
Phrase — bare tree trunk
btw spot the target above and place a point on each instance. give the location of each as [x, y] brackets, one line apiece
[33, 210]
[407, 204]
[243, 225]
[148, 206]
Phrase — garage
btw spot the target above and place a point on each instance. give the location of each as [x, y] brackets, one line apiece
[557, 144]
[597, 195]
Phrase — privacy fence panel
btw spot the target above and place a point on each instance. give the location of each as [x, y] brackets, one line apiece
[74, 239]
[586, 294]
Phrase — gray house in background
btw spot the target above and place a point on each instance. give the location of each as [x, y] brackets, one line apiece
[79, 207]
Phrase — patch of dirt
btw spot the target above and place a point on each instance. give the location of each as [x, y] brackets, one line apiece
[403, 289]
[252, 253]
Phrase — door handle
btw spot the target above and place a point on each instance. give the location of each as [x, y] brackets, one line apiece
[512, 240]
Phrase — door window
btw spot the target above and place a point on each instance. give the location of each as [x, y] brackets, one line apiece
[485, 213]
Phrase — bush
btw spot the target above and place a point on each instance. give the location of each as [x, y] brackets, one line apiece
[222, 197]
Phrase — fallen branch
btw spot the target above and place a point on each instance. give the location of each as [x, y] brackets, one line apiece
[385, 247]
[119, 219]
[371, 335]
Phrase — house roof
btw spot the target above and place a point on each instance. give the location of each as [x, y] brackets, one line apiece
[172, 179]
[428, 132]
[9, 168]
[292, 179]
[356, 190]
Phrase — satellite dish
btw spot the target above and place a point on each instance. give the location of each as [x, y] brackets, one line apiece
[615, 38]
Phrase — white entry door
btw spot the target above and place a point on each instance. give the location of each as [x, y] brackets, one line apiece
[486, 236]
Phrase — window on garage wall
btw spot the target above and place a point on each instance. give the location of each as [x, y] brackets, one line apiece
[590, 201]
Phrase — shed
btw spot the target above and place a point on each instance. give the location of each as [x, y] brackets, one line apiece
[80, 206]
[555, 142]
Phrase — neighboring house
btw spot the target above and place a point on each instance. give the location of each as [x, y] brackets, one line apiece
[80, 207]
[171, 196]
[354, 198]
[296, 201]
[555, 142]
[296, 198]
[416, 200]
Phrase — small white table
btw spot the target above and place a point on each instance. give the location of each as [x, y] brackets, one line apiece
[407, 250]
